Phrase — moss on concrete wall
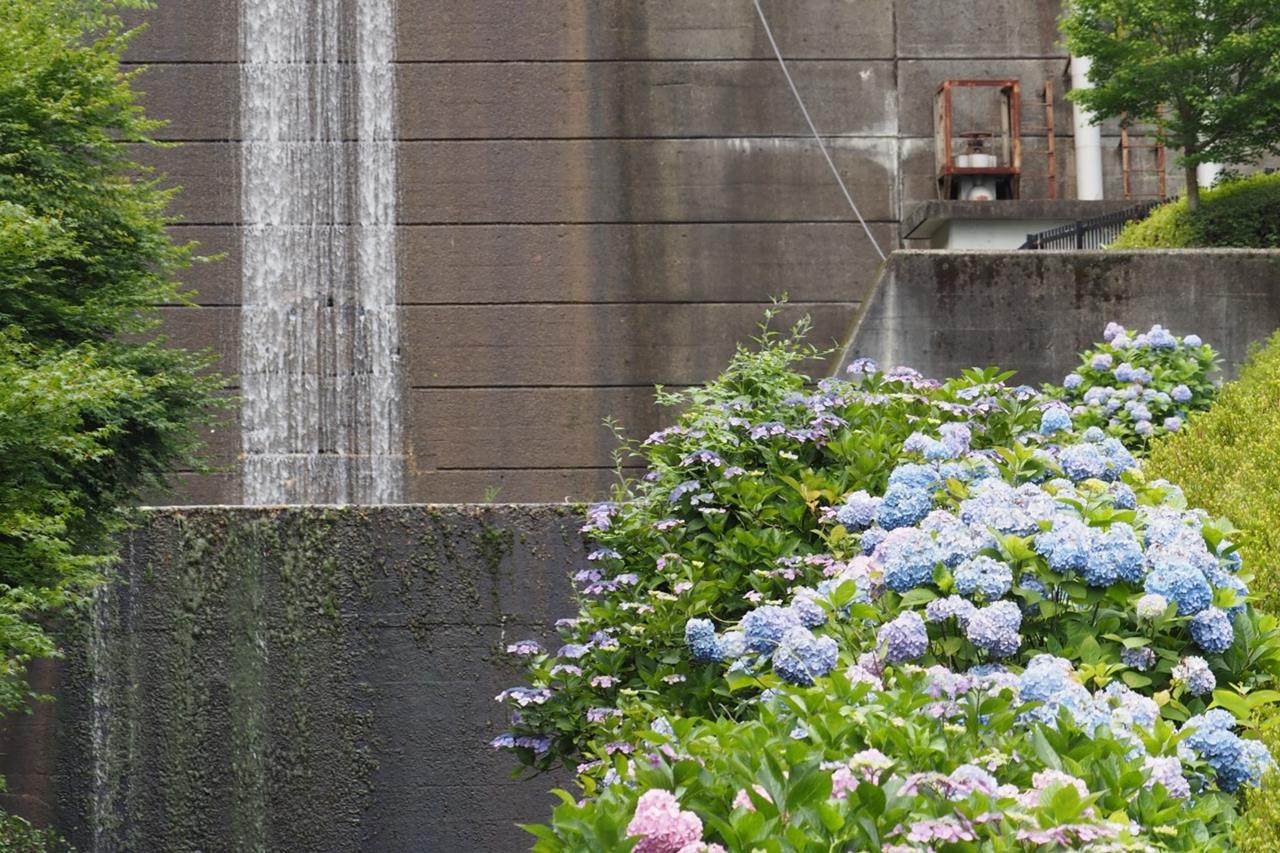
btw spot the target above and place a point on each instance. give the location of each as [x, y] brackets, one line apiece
[307, 679]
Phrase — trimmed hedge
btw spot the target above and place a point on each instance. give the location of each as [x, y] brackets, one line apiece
[1242, 213]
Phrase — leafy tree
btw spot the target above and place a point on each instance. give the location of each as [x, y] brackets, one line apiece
[94, 408]
[1214, 65]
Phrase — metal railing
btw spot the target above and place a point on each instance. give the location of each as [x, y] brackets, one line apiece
[1092, 233]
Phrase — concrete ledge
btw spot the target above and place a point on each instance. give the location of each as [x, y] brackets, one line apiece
[309, 678]
[927, 217]
[941, 311]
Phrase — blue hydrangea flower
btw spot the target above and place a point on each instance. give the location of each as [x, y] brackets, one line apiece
[1072, 381]
[1141, 658]
[1257, 759]
[1083, 462]
[733, 645]
[1123, 372]
[915, 476]
[1116, 555]
[1172, 424]
[955, 541]
[804, 603]
[1048, 680]
[1101, 361]
[903, 639]
[1144, 428]
[1065, 545]
[1119, 459]
[902, 506]
[858, 511]
[1112, 330]
[1160, 338]
[1211, 630]
[983, 576]
[1123, 497]
[1094, 435]
[916, 443]
[1193, 673]
[1054, 419]
[1167, 771]
[1224, 752]
[700, 637]
[907, 556]
[1192, 341]
[956, 437]
[1181, 583]
[765, 627]
[801, 657]
[942, 609]
[994, 628]
[871, 539]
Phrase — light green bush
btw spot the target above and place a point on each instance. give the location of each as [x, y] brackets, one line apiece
[1241, 213]
[1227, 460]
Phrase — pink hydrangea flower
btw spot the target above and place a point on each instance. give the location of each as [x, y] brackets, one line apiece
[661, 824]
[744, 800]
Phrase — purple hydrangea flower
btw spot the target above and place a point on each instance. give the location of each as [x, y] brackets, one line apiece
[994, 628]
[903, 639]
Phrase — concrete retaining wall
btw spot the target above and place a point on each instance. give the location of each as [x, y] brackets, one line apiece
[941, 312]
[307, 679]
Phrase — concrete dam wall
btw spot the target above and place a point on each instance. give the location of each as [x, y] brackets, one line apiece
[308, 679]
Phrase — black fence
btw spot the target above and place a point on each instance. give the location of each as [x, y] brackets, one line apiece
[1093, 233]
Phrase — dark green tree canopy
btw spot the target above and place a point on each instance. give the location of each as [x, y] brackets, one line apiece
[93, 407]
[1212, 65]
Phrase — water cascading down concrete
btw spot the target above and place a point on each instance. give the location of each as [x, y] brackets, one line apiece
[319, 332]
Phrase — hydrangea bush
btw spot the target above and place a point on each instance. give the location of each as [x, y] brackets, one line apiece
[887, 612]
[1140, 386]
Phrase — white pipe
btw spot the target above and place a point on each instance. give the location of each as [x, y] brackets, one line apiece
[1088, 138]
[1207, 174]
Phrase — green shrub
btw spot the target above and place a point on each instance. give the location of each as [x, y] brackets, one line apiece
[1227, 460]
[1241, 213]
[1166, 227]
[93, 408]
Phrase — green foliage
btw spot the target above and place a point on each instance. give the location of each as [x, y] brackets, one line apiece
[847, 767]
[738, 484]
[1239, 213]
[19, 836]
[93, 407]
[1166, 227]
[1227, 460]
[1209, 63]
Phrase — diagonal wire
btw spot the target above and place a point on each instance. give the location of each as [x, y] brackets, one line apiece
[768, 31]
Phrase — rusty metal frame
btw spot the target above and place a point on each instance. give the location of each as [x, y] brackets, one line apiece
[1011, 140]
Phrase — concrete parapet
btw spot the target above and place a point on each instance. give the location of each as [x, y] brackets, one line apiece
[941, 312]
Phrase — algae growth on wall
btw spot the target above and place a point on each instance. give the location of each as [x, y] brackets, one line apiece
[301, 679]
